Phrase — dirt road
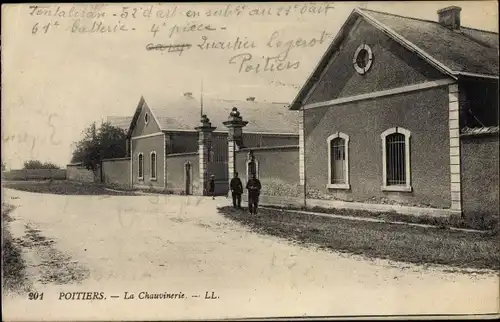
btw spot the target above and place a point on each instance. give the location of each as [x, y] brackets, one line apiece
[110, 245]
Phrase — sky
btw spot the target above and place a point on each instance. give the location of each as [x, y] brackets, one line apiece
[58, 77]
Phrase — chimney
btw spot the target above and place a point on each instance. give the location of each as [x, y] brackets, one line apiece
[251, 99]
[449, 17]
[188, 94]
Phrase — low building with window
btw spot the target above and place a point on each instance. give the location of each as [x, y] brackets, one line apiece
[402, 111]
[172, 147]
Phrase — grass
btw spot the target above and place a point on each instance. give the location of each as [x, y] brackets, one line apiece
[64, 187]
[13, 264]
[479, 222]
[403, 243]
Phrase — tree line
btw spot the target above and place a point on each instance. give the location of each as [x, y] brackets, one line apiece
[98, 143]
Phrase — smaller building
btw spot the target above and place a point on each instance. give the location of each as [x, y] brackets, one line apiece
[172, 147]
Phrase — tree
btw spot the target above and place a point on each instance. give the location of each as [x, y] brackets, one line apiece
[4, 167]
[106, 142]
[35, 164]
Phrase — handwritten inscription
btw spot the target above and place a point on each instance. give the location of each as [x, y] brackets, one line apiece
[189, 27]
[97, 27]
[288, 45]
[59, 12]
[236, 44]
[247, 63]
[169, 48]
[163, 22]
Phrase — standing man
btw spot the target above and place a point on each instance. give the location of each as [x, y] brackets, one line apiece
[211, 186]
[237, 189]
[253, 186]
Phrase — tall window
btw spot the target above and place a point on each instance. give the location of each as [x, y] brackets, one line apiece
[396, 159]
[153, 165]
[140, 166]
[338, 165]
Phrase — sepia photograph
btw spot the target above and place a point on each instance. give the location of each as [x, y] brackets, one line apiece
[257, 160]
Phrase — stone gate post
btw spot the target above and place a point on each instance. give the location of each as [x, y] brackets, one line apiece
[204, 142]
[235, 126]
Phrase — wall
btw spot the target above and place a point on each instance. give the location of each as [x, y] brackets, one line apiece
[278, 170]
[176, 172]
[145, 146]
[393, 66]
[116, 172]
[35, 174]
[424, 113]
[76, 172]
[480, 178]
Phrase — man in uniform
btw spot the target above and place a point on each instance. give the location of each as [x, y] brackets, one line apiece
[253, 186]
[237, 189]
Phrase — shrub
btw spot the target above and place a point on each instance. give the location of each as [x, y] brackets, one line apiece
[35, 164]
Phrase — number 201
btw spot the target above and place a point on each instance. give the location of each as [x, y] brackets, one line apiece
[35, 296]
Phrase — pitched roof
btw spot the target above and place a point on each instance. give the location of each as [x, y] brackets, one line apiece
[122, 122]
[184, 113]
[467, 52]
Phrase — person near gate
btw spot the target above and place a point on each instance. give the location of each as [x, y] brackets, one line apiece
[253, 186]
[237, 189]
[211, 186]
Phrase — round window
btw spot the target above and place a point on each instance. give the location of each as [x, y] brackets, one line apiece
[363, 59]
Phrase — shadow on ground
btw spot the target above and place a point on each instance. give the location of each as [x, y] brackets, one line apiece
[63, 187]
[47, 265]
[402, 243]
[13, 264]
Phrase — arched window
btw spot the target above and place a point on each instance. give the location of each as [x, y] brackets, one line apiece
[153, 166]
[140, 167]
[338, 161]
[396, 159]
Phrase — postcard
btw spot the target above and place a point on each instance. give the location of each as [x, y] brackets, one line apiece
[215, 161]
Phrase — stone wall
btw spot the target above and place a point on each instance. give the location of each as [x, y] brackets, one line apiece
[278, 169]
[480, 175]
[176, 173]
[116, 172]
[77, 172]
[35, 174]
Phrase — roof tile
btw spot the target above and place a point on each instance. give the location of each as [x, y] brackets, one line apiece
[465, 50]
[184, 114]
